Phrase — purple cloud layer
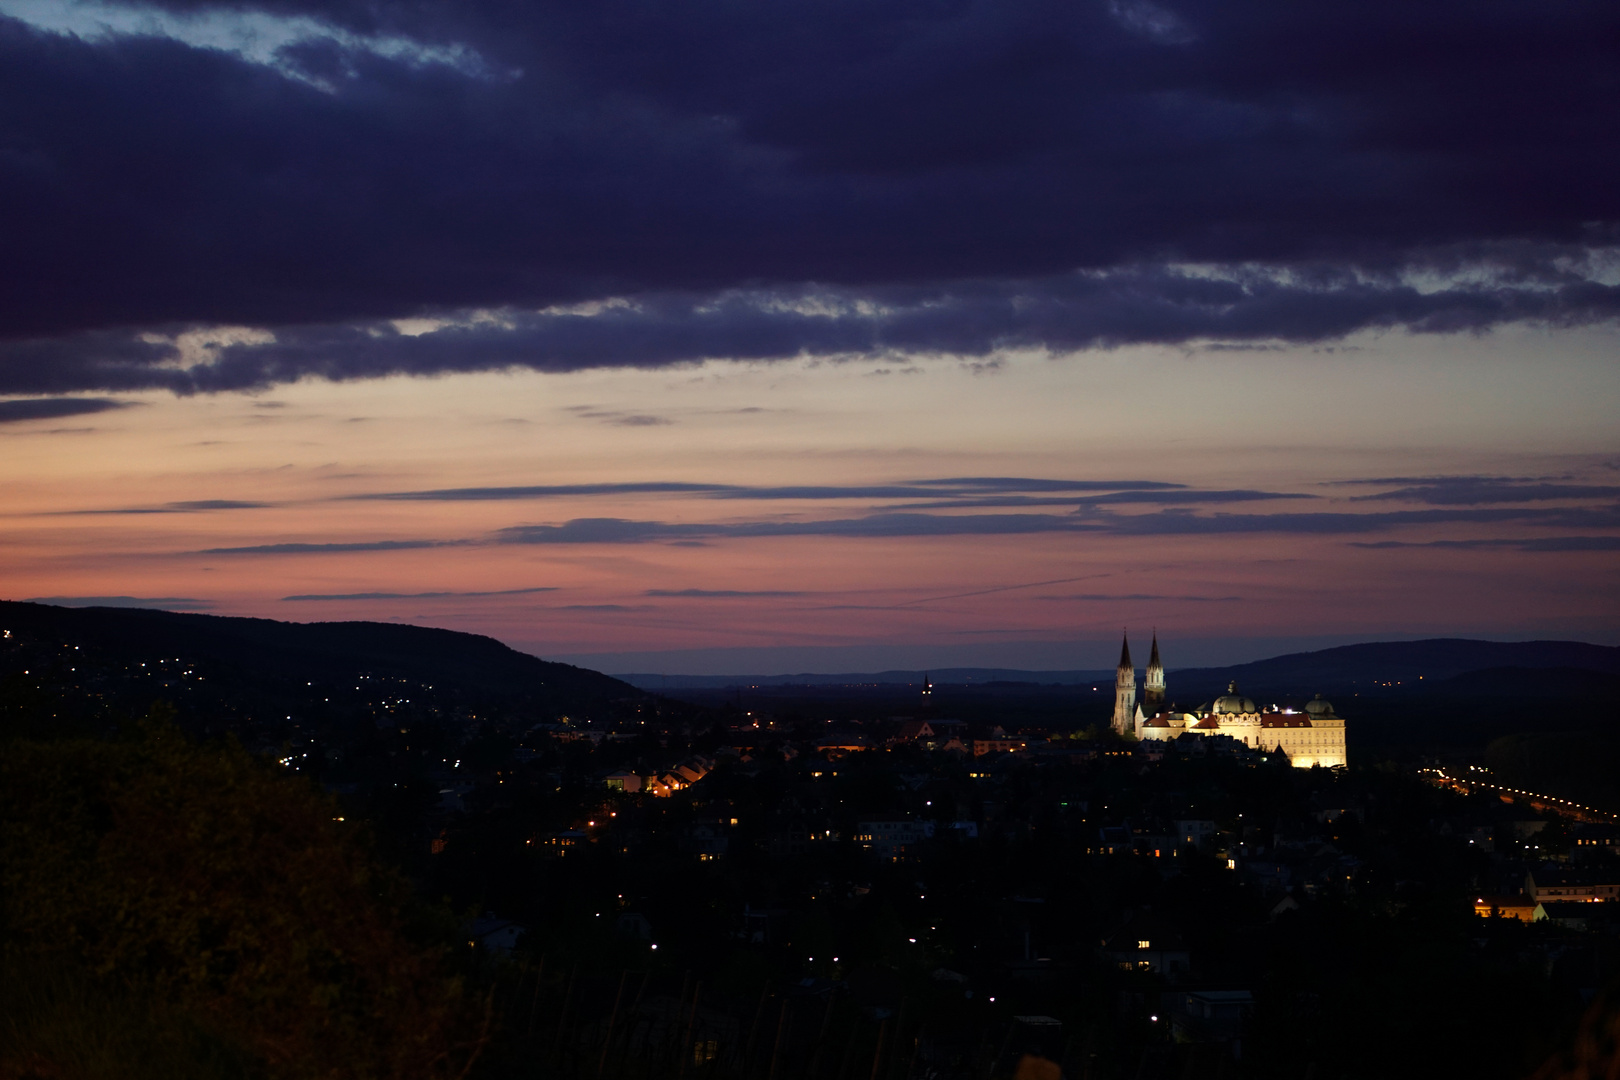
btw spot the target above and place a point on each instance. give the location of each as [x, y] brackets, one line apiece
[766, 182]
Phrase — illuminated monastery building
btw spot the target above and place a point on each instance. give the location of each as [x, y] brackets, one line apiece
[1310, 736]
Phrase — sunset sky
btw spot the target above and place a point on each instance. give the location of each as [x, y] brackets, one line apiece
[827, 336]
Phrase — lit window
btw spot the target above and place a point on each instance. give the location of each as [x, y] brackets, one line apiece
[1144, 944]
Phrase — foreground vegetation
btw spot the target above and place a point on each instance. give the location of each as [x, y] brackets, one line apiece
[173, 908]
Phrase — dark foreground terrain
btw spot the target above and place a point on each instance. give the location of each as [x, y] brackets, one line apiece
[439, 857]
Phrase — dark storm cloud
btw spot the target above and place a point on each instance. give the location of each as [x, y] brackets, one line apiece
[53, 408]
[418, 595]
[769, 181]
[1076, 311]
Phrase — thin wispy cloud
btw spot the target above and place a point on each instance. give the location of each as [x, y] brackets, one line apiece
[1121, 498]
[619, 417]
[330, 548]
[1000, 589]
[20, 410]
[189, 506]
[1110, 597]
[1531, 544]
[445, 594]
[543, 491]
[965, 491]
[1471, 492]
[1088, 521]
[722, 594]
[1025, 483]
[620, 530]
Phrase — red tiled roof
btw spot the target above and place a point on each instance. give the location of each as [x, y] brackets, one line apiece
[1285, 720]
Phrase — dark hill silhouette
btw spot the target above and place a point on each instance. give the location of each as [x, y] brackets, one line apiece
[266, 654]
[1521, 682]
[1384, 665]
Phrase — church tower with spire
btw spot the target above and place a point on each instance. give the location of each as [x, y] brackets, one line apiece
[1153, 686]
[1125, 692]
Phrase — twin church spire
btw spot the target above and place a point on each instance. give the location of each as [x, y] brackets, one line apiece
[1125, 709]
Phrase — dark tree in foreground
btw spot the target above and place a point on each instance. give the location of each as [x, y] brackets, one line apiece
[181, 909]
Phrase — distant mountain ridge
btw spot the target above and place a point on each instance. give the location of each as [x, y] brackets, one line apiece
[1377, 665]
[1335, 670]
[943, 676]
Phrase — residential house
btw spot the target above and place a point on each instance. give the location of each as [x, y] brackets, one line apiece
[623, 781]
[1211, 1016]
[1196, 832]
[1147, 943]
[1593, 840]
[495, 936]
[892, 839]
[1549, 882]
[913, 730]
[997, 744]
[1521, 907]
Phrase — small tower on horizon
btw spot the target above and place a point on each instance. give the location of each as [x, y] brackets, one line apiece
[1125, 691]
[928, 689]
[1153, 685]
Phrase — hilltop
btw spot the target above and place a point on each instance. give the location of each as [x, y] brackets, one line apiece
[1383, 664]
[252, 673]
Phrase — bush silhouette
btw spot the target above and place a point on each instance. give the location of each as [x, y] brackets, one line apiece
[223, 903]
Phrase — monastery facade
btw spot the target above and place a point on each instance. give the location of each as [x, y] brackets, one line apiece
[1310, 736]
